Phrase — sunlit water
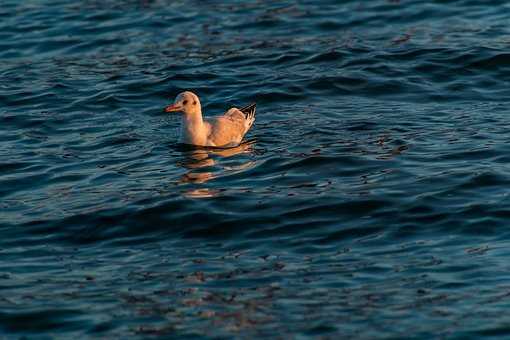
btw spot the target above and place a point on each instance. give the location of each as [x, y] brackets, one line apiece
[370, 199]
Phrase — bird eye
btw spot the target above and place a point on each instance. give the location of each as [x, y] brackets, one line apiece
[185, 102]
[194, 102]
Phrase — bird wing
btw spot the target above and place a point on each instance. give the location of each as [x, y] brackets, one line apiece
[249, 111]
[228, 130]
[225, 131]
[245, 113]
[235, 114]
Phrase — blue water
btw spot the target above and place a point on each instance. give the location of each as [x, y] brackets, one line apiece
[370, 200]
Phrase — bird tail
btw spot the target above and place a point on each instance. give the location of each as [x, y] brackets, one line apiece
[249, 111]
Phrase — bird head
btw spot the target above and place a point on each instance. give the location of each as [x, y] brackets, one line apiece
[186, 102]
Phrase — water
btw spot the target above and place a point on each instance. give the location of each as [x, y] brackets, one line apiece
[370, 200]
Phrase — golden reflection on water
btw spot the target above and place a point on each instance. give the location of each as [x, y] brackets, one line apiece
[201, 193]
[198, 160]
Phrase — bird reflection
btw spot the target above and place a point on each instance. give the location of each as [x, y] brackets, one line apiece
[205, 164]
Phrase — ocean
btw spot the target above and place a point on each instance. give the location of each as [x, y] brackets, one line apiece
[369, 200]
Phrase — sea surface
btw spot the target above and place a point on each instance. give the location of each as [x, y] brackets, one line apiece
[369, 200]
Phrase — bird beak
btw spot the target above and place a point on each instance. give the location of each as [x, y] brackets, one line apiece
[173, 108]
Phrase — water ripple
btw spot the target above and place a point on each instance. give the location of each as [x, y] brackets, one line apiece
[369, 200]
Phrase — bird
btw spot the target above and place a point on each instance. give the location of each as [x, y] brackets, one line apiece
[225, 131]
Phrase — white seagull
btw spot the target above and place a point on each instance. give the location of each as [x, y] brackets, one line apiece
[223, 131]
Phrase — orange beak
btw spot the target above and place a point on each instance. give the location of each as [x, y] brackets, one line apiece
[173, 108]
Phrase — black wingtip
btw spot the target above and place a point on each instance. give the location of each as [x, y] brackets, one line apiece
[249, 111]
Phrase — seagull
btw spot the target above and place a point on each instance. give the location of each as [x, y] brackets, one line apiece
[223, 131]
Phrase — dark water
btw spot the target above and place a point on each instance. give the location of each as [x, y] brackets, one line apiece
[371, 201]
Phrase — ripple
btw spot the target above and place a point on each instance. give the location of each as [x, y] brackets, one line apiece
[373, 185]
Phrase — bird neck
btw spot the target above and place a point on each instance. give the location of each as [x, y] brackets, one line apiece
[193, 130]
[193, 117]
